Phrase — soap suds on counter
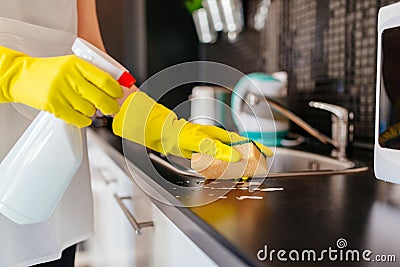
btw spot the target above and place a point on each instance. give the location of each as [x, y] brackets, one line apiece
[249, 197]
[223, 188]
[243, 188]
[196, 189]
[271, 189]
[268, 189]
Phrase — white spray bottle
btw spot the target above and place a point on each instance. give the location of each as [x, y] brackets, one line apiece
[38, 169]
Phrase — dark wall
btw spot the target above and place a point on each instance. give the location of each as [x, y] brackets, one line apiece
[245, 54]
[171, 39]
[161, 33]
[328, 48]
[171, 34]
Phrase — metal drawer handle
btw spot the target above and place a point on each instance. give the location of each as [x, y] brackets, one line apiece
[100, 172]
[137, 226]
[107, 181]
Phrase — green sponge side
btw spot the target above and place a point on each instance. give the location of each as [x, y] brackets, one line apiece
[241, 142]
[246, 142]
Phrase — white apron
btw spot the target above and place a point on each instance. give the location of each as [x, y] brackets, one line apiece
[41, 28]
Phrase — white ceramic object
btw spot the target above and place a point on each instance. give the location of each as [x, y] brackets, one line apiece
[38, 169]
[205, 32]
[387, 158]
[202, 105]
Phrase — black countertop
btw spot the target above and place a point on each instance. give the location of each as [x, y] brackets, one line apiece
[311, 213]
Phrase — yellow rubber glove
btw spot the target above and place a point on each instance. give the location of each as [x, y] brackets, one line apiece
[146, 122]
[66, 86]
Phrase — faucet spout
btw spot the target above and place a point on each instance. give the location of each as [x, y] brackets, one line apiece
[338, 142]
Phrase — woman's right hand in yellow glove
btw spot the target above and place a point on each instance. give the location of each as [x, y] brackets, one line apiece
[146, 122]
[67, 86]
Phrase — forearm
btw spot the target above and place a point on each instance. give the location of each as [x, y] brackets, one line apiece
[89, 29]
[88, 24]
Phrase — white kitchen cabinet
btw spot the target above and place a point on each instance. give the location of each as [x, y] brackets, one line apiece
[115, 242]
[173, 248]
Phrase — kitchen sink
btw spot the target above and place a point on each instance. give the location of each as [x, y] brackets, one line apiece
[289, 162]
[286, 162]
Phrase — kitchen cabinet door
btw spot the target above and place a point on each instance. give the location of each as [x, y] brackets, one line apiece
[173, 247]
[114, 242]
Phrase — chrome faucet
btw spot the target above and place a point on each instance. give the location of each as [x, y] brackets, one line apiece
[342, 132]
[340, 123]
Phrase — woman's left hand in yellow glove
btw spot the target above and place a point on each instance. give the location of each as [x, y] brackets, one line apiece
[146, 122]
[66, 86]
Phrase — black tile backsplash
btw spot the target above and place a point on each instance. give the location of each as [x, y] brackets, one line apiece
[328, 48]
[245, 54]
